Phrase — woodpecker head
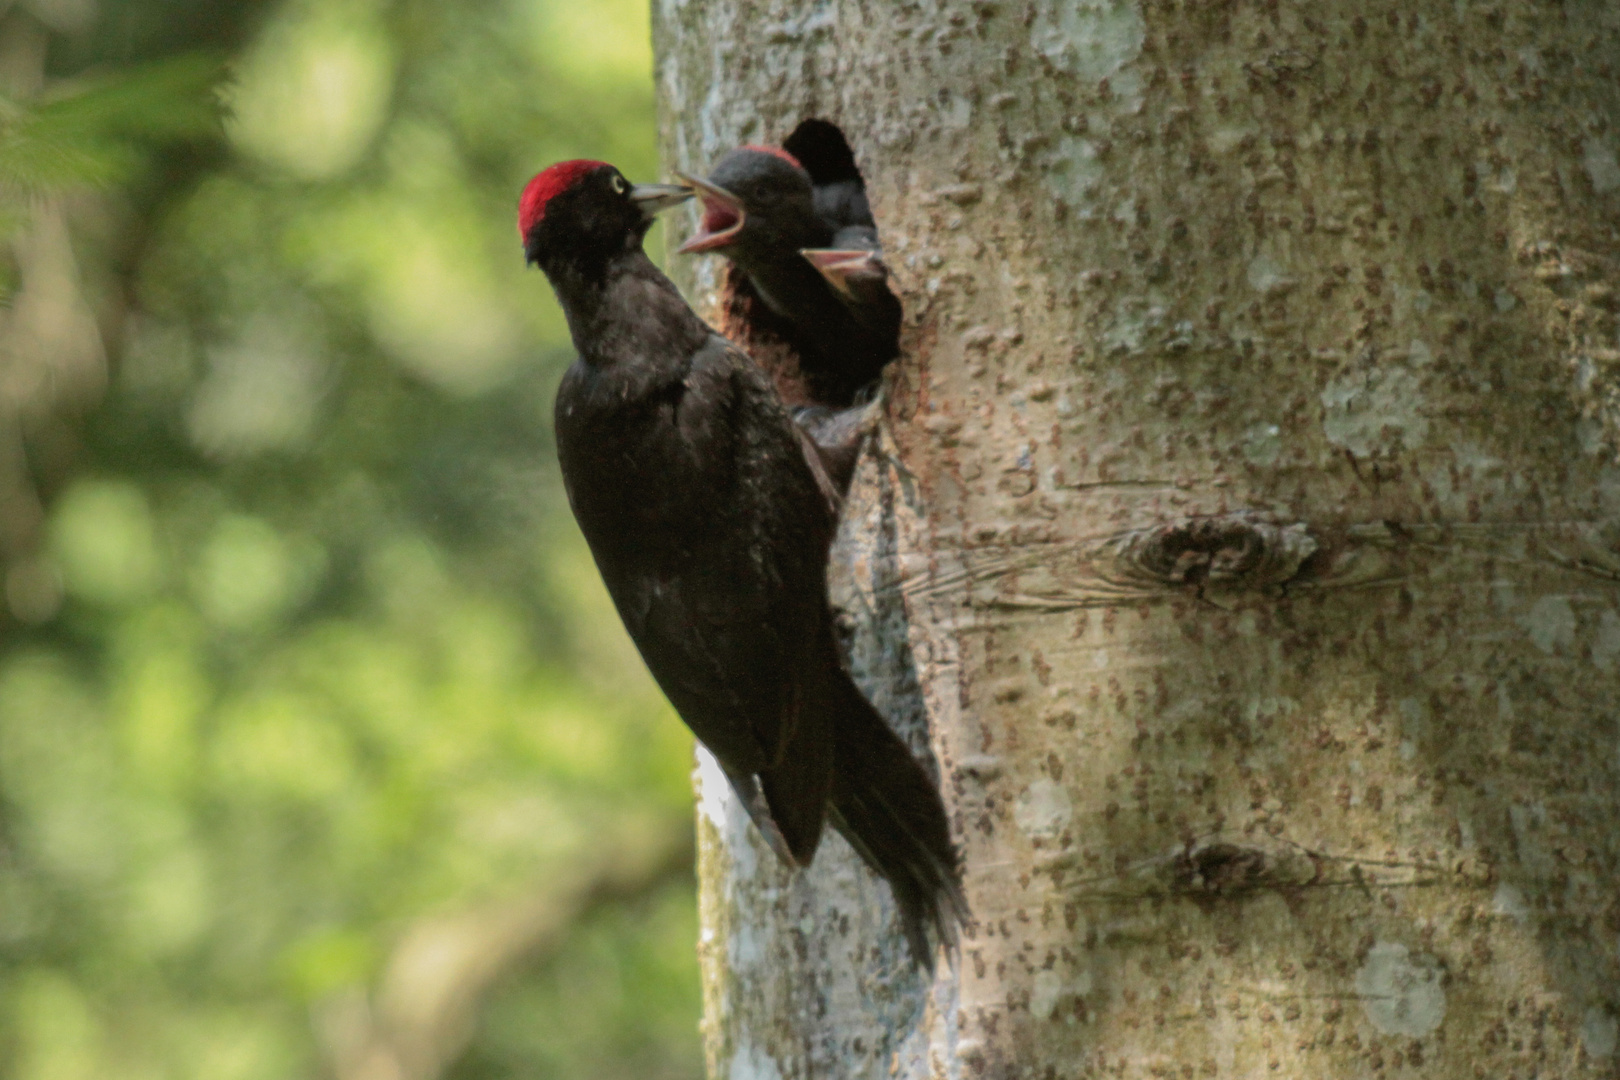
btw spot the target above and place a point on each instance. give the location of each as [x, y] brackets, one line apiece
[757, 200]
[582, 213]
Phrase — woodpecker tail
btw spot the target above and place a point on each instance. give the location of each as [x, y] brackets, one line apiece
[887, 807]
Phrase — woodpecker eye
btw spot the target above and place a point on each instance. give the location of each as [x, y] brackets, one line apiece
[620, 184]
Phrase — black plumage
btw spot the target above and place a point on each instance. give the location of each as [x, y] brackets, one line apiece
[703, 508]
[852, 263]
[811, 255]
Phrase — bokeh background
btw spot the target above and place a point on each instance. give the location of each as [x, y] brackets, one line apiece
[321, 751]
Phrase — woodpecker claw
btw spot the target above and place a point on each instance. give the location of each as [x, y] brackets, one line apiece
[723, 217]
[839, 266]
[752, 795]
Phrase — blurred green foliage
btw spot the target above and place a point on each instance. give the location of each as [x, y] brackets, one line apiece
[303, 661]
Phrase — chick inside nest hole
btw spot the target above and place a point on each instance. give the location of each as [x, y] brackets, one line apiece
[819, 355]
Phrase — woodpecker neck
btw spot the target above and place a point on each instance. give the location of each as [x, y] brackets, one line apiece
[793, 288]
[624, 311]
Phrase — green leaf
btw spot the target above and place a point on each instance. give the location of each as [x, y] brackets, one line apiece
[170, 99]
[95, 131]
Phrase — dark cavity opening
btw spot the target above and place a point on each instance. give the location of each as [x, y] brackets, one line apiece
[825, 325]
[824, 152]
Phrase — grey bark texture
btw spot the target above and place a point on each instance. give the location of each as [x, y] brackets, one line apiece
[1240, 537]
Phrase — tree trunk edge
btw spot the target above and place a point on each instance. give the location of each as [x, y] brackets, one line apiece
[1345, 274]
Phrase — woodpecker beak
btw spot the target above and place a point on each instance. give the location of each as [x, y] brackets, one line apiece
[653, 199]
[840, 267]
[723, 217]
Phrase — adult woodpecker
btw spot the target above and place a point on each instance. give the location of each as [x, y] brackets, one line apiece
[701, 504]
[812, 256]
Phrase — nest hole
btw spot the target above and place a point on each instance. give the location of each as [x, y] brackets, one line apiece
[823, 151]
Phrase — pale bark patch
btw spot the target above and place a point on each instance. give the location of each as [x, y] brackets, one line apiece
[1093, 40]
[1602, 166]
[1366, 412]
[1401, 991]
[752, 1063]
[1606, 643]
[1599, 1032]
[1509, 901]
[1550, 624]
[1044, 810]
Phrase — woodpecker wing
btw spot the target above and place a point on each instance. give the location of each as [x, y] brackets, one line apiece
[756, 599]
[711, 533]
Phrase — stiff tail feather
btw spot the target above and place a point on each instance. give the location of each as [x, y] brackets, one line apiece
[788, 802]
[797, 788]
[887, 807]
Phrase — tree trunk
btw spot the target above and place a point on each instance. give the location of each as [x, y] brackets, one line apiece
[1238, 538]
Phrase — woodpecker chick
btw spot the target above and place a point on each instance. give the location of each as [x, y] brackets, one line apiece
[762, 212]
[703, 509]
[853, 263]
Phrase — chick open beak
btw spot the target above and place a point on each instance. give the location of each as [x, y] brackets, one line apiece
[723, 217]
[841, 267]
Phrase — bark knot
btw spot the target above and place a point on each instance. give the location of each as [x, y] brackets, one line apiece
[1234, 550]
[1221, 868]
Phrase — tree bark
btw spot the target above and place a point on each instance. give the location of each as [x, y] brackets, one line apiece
[1239, 538]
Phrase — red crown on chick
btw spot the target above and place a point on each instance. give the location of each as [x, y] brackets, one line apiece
[775, 151]
[548, 184]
